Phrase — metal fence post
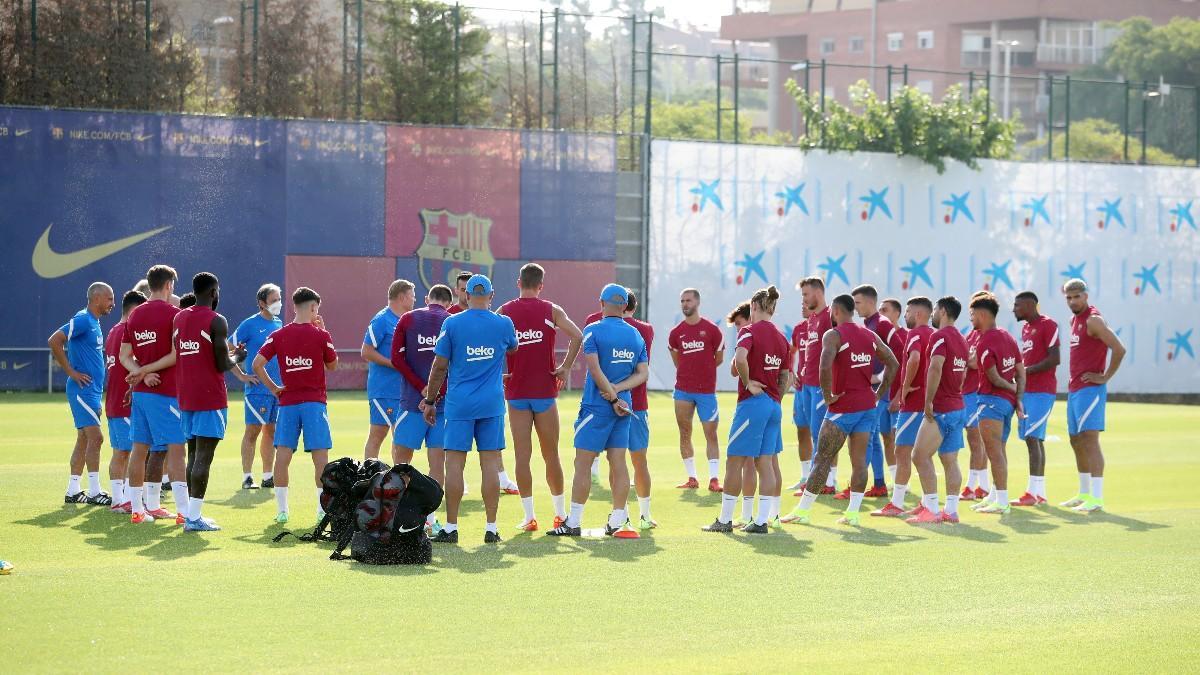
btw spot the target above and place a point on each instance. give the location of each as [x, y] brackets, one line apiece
[1049, 116]
[736, 80]
[1145, 118]
[457, 45]
[718, 97]
[345, 54]
[1196, 105]
[1125, 123]
[554, 70]
[1067, 122]
[906, 74]
[889, 84]
[254, 56]
[649, 85]
[359, 59]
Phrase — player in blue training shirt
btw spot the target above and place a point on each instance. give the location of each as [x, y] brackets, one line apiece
[470, 352]
[78, 348]
[617, 362]
[260, 408]
[383, 380]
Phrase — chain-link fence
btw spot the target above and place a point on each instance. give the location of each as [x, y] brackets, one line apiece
[451, 64]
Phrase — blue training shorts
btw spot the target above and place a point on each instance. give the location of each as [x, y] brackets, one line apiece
[310, 418]
[706, 405]
[156, 420]
[906, 424]
[413, 432]
[1085, 409]
[639, 430]
[487, 434]
[951, 425]
[205, 423]
[118, 434]
[536, 406]
[597, 431]
[85, 408]
[863, 421]
[260, 409]
[755, 430]
[997, 408]
[1038, 407]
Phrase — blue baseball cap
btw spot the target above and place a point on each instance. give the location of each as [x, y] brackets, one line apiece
[475, 282]
[615, 294]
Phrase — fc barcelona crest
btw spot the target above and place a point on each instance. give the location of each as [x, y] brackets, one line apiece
[453, 243]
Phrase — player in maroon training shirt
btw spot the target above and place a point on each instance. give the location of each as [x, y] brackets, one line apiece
[531, 387]
[1001, 387]
[697, 348]
[908, 404]
[1039, 352]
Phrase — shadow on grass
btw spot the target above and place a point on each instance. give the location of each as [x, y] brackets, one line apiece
[57, 516]
[965, 531]
[246, 499]
[1130, 524]
[183, 545]
[1025, 521]
[619, 550]
[782, 544]
[702, 499]
[867, 536]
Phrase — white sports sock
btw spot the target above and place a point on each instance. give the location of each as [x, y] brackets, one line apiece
[972, 479]
[1040, 486]
[1085, 483]
[93, 483]
[596, 466]
[450, 527]
[247, 475]
[728, 502]
[930, 502]
[281, 499]
[898, 492]
[166, 478]
[179, 491]
[503, 479]
[689, 465]
[831, 480]
[1029, 486]
[892, 472]
[1098, 488]
[807, 500]
[576, 516]
[617, 518]
[806, 468]
[527, 504]
[560, 505]
[267, 475]
[747, 508]
[118, 491]
[774, 507]
[855, 502]
[985, 480]
[952, 504]
[491, 527]
[644, 507]
[714, 466]
[73, 485]
[764, 510]
[135, 500]
[153, 496]
[195, 505]
[1002, 497]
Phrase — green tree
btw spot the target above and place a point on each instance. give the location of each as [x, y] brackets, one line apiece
[911, 123]
[1096, 140]
[412, 46]
[296, 75]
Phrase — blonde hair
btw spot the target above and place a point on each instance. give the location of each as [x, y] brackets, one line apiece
[399, 286]
[766, 298]
[1075, 286]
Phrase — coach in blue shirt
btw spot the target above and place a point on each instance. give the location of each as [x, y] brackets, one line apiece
[471, 348]
[616, 359]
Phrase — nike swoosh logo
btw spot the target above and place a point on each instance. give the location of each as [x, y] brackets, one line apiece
[22, 132]
[402, 530]
[18, 366]
[50, 264]
[141, 137]
[259, 144]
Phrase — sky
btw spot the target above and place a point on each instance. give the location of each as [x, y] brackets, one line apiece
[703, 13]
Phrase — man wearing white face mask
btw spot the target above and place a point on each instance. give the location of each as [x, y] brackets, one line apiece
[261, 407]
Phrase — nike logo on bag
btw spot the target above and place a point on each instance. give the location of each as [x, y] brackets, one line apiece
[402, 530]
[50, 264]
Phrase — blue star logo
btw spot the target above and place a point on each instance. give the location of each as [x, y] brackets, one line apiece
[707, 192]
[1182, 342]
[957, 205]
[790, 196]
[1074, 271]
[1037, 207]
[999, 275]
[833, 269]
[1111, 211]
[1183, 214]
[751, 265]
[875, 200]
[1149, 278]
[916, 272]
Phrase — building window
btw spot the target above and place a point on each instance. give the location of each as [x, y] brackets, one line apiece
[827, 46]
[856, 45]
[895, 42]
[925, 39]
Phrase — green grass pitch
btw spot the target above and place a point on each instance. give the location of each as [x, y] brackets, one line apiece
[1043, 590]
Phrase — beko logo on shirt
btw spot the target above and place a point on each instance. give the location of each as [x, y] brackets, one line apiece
[622, 355]
[1074, 339]
[297, 363]
[1026, 345]
[426, 342]
[530, 336]
[145, 337]
[480, 353]
[188, 347]
[110, 361]
[960, 364]
[1008, 362]
[860, 359]
[772, 362]
[690, 346]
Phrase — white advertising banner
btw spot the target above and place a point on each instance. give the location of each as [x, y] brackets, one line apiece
[729, 219]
